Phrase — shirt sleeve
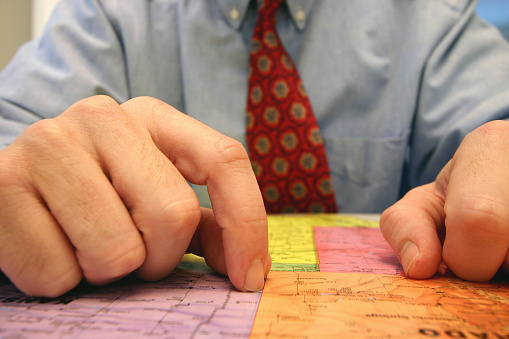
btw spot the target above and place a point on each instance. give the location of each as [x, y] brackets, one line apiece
[78, 55]
[465, 83]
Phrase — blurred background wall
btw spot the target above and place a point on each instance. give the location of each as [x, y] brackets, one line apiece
[22, 20]
[15, 27]
[496, 12]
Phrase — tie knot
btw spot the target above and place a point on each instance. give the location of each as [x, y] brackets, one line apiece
[268, 8]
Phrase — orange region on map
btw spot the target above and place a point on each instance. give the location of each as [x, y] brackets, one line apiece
[357, 305]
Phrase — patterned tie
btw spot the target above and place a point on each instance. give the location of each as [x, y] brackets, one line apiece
[283, 137]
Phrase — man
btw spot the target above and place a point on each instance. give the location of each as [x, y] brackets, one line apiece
[101, 190]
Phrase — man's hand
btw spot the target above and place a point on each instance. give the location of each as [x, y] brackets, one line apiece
[462, 217]
[101, 191]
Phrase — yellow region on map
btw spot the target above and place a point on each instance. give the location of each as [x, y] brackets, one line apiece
[352, 305]
[291, 239]
[292, 242]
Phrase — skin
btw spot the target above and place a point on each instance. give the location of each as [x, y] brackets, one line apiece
[462, 217]
[100, 192]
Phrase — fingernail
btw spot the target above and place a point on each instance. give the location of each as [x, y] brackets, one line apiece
[255, 276]
[409, 252]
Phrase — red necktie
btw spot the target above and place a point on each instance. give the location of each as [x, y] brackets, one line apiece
[283, 137]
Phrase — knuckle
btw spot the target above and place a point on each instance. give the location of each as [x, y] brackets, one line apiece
[44, 133]
[43, 143]
[392, 218]
[386, 217]
[390, 226]
[44, 147]
[99, 122]
[142, 100]
[183, 214]
[95, 104]
[151, 108]
[490, 132]
[482, 218]
[96, 112]
[230, 151]
[113, 260]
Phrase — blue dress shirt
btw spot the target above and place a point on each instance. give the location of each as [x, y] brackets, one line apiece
[395, 85]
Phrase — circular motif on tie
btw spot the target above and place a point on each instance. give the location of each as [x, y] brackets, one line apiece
[286, 63]
[271, 193]
[264, 64]
[289, 141]
[270, 39]
[324, 186]
[314, 136]
[302, 89]
[256, 95]
[298, 189]
[249, 120]
[280, 167]
[289, 209]
[317, 207]
[308, 162]
[271, 116]
[256, 45]
[257, 169]
[280, 89]
[298, 112]
[262, 145]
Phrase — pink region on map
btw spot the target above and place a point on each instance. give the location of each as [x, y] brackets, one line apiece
[355, 250]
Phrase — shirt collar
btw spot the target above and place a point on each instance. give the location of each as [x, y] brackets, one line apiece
[234, 11]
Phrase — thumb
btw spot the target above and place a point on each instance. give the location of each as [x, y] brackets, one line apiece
[413, 227]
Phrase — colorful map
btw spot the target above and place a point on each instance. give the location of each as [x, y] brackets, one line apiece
[355, 250]
[193, 302]
[358, 305]
[333, 277]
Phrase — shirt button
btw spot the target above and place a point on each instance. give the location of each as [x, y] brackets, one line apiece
[300, 15]
[234, 14]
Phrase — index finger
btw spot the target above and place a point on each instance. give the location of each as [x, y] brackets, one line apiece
[206, 157]
[477, 213]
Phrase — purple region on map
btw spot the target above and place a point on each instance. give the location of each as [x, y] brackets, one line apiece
[190, 303]
[355, 250]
